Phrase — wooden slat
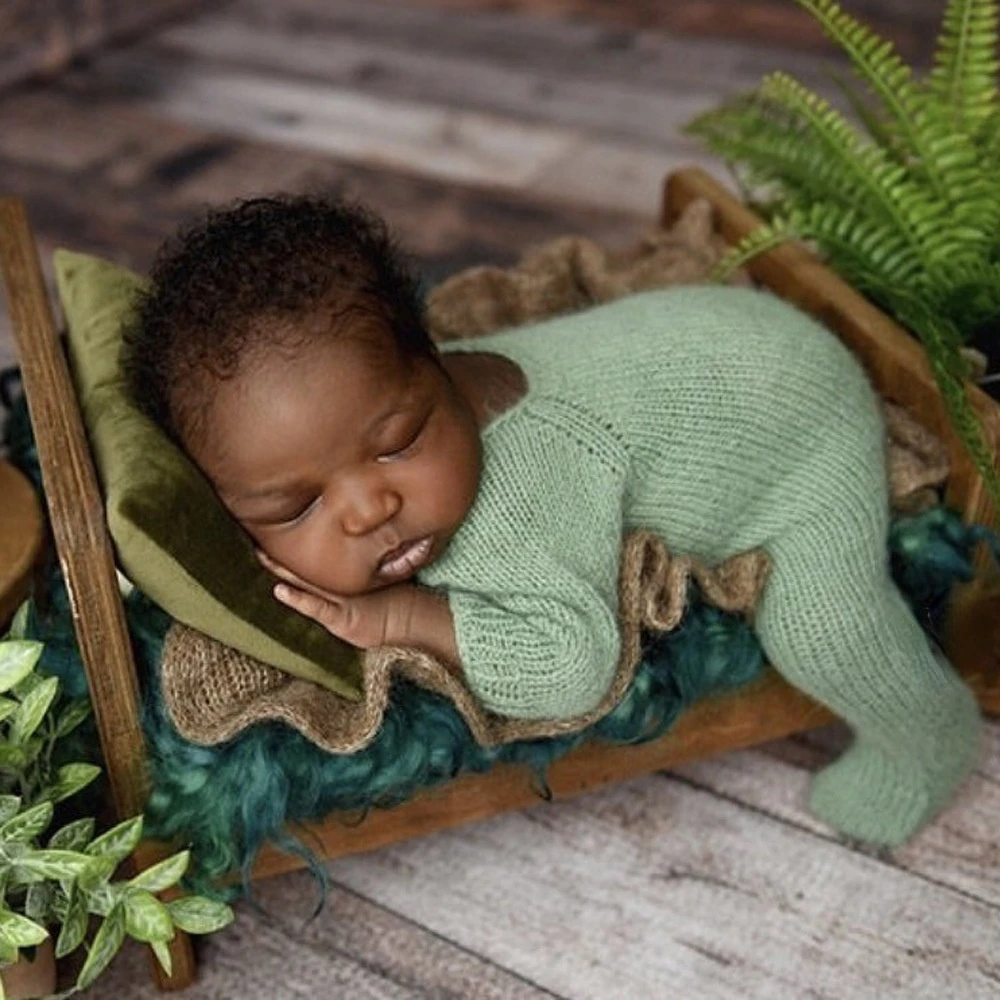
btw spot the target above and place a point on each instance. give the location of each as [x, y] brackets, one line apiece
[770, 710]
[894, 359]
[454, 145]
[76, 515]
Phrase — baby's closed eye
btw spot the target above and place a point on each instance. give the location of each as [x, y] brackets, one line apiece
[404, 443]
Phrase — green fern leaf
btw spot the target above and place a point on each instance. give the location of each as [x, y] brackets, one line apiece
[874, 180]
[964, 77]
[870, 254]
[760, 241]
[769, 145]
[878, 65]
[876, 128]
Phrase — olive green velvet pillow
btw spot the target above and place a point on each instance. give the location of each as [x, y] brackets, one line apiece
[173, 538]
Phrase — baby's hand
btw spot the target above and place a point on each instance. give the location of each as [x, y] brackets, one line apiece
[379, 618]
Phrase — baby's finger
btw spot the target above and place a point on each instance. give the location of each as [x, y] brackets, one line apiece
[283, 573]
[327, 613]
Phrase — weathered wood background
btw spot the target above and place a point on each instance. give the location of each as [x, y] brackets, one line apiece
[479, 129]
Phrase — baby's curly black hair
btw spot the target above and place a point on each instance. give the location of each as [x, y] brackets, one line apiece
[262, 272]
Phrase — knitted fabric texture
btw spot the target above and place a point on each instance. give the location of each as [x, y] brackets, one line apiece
[724, 421]
[720, 419]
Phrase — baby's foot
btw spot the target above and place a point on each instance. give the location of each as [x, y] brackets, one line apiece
[882, 800]
[871, 798]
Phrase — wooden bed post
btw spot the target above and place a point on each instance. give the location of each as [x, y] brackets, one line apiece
[76, 511]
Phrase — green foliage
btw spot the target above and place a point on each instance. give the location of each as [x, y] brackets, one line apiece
[907, 206]
[71, 878]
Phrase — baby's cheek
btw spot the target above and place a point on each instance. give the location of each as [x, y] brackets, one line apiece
[326, 562]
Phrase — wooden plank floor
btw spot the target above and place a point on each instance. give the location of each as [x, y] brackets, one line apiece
[479, 130]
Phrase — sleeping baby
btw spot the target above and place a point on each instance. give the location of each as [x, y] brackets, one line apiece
[471, 500]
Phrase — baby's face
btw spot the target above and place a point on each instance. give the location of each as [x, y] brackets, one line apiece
[349, 466]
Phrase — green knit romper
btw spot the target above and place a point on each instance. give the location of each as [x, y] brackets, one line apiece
[724, 420]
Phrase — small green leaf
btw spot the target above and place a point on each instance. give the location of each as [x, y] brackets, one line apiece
[72, 716]
[20, 931]
[120, 841]
[198, 915]
[163, 874]
[56, 865]
[9, 806]
[7, 707]
[32, 710]
[19, 623]
[70, 778]
[146, 918]
[17, 659]
[60, 903]
[106, 943]
[73, 836]
[27, 825]
[96, 871]
[38, 901]
[104, 897]
[74, 925]
[24, 687]
[162, 952]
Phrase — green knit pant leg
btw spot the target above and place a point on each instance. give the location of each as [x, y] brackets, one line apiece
[835, 626]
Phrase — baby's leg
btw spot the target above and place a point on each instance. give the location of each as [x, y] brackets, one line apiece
[833, 623]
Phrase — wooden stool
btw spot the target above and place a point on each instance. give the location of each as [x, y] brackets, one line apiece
[21, 534]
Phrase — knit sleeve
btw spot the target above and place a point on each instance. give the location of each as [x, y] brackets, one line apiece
[534, 595]
[537, 656]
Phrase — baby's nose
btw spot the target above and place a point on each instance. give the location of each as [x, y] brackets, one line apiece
[367, 510]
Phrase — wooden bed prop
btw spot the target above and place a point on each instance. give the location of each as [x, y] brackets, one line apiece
[768, 710]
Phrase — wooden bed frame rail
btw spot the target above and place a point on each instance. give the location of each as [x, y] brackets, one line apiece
[769, 710]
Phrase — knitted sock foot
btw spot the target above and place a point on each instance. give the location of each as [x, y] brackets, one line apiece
[868, 796]
[882, 799]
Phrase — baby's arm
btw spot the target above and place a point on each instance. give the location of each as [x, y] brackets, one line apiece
[401, 615]
[531, 654]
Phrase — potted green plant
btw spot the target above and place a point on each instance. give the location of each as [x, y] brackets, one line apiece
[904, 205]
[54, 883]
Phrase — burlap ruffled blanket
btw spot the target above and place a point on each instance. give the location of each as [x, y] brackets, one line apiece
[212, 692]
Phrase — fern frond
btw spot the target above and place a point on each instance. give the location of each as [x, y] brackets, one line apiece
[964, 78]
[935, 151]
[770, 145]
[871, 255]
[761, 240]
[872, 177]
[874, 126]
